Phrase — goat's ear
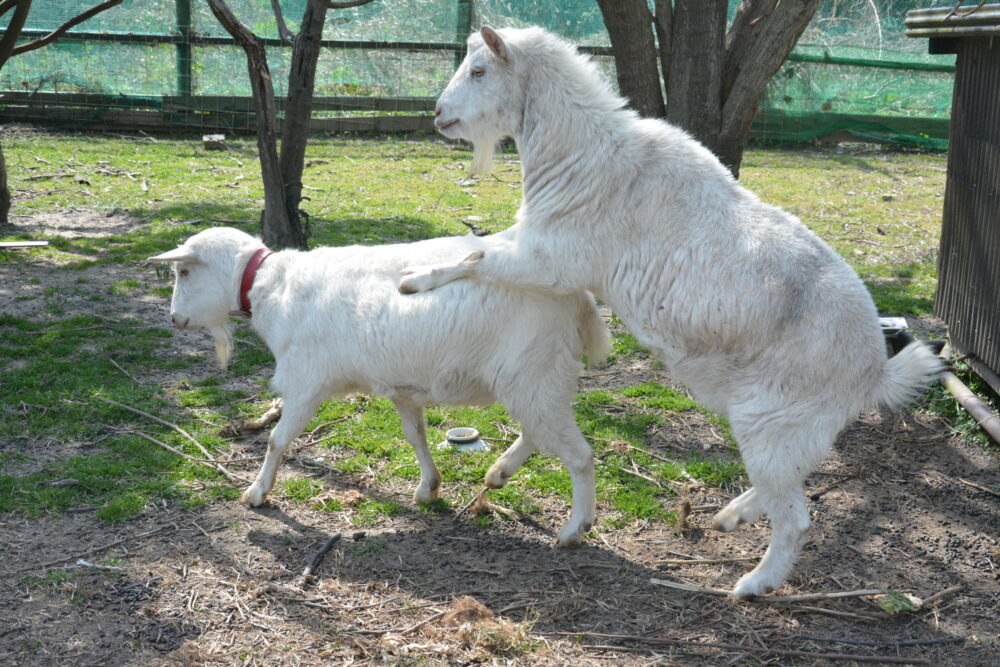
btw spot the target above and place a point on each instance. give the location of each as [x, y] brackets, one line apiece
[181, 254]
[494, 41]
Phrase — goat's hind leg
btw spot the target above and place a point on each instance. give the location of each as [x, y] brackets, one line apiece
[509, 463]
[777, 459]
[562, 438]
[411, 416]
[295, 414]
[745, 508]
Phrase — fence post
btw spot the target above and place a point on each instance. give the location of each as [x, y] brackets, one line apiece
[463, 26]
[184, 70]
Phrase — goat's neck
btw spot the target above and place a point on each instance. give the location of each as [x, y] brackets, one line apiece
[561, 158]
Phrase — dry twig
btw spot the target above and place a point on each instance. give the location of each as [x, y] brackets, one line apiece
[88, 552]
[705, 561]
[743, 648]
[807, 597]
[318, 557]
[218, 466]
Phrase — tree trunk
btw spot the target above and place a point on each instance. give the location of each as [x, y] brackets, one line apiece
[298, 111]
[763, 33]
[629, 25]
[277, 229]
[715, 81]
[13, 30]
[694, 87]
[4, 192]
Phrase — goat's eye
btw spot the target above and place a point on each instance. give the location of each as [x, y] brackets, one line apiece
[478, 72]
[183, 273]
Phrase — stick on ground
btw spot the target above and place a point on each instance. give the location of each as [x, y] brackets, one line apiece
[218, 466]
[808, 597]
[318, 557]
[743, 648]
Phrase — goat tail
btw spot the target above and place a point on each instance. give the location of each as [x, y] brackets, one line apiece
[907, 374]
[593, 330]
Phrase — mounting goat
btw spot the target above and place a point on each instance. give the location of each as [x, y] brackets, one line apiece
[764, 322]
[337, 324]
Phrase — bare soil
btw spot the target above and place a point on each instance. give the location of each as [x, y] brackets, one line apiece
[896, 506]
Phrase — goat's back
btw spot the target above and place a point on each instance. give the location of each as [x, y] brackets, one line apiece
[339, 312]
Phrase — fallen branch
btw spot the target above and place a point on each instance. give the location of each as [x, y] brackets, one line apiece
[318, 557]
[980, 487]
[940, 595]
[743, 648]
[218, 466]
[465, 508]
[173, 450]
[829, 487]
[127, 374]
[88, 552]
[243, 426]
[842, 614]
[807, 597]
[81, 562]
[705, 561]
[424, 622]
[867, 642]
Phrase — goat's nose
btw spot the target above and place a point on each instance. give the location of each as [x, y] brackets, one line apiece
[437, 111]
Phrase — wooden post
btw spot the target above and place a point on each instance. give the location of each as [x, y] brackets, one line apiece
[184, 69]
[463, 26]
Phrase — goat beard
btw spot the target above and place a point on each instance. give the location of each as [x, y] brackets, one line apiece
[482, 157]
[223, 337]
[484, 147]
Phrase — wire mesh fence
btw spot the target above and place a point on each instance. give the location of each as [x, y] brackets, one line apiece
[170, 64]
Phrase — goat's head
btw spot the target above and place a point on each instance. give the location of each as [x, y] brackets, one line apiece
[483, 101]
[207, 269]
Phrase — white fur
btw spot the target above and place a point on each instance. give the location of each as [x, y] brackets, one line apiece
[337, 324]
[752, 311]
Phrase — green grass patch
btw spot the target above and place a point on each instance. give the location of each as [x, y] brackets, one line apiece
[881, 211]
[300, 489]
[370, 511]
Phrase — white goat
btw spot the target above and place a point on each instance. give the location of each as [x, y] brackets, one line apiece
[337, 324]
[763, 322]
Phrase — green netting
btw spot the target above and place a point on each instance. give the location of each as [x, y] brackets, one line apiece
[853, 73]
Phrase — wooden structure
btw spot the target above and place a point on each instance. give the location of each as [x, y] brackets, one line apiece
[968, 295]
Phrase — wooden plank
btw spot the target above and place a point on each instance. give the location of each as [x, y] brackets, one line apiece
[17, 245]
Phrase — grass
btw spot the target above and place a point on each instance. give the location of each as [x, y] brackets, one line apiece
[880, 211]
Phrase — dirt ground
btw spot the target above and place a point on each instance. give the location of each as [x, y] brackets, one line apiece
[896, 506]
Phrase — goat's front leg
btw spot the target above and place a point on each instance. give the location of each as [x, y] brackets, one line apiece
[296, 413]
[524, 263]
[415, 429]
[431, 277]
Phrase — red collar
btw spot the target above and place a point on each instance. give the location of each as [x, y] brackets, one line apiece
[249, 273]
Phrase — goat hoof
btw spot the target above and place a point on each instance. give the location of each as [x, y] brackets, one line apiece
[496, 479]
[420, 497]
[726, 524]
[571, 538]
[252, 498]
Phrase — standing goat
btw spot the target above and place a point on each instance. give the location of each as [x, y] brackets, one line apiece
[764, 322]
[336, 324]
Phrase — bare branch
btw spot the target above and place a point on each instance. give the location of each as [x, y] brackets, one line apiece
[242, 34]
[7, 5]
[958, 5]
[286, 35]
[61, 30]
[330, 4]
[13, 31]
